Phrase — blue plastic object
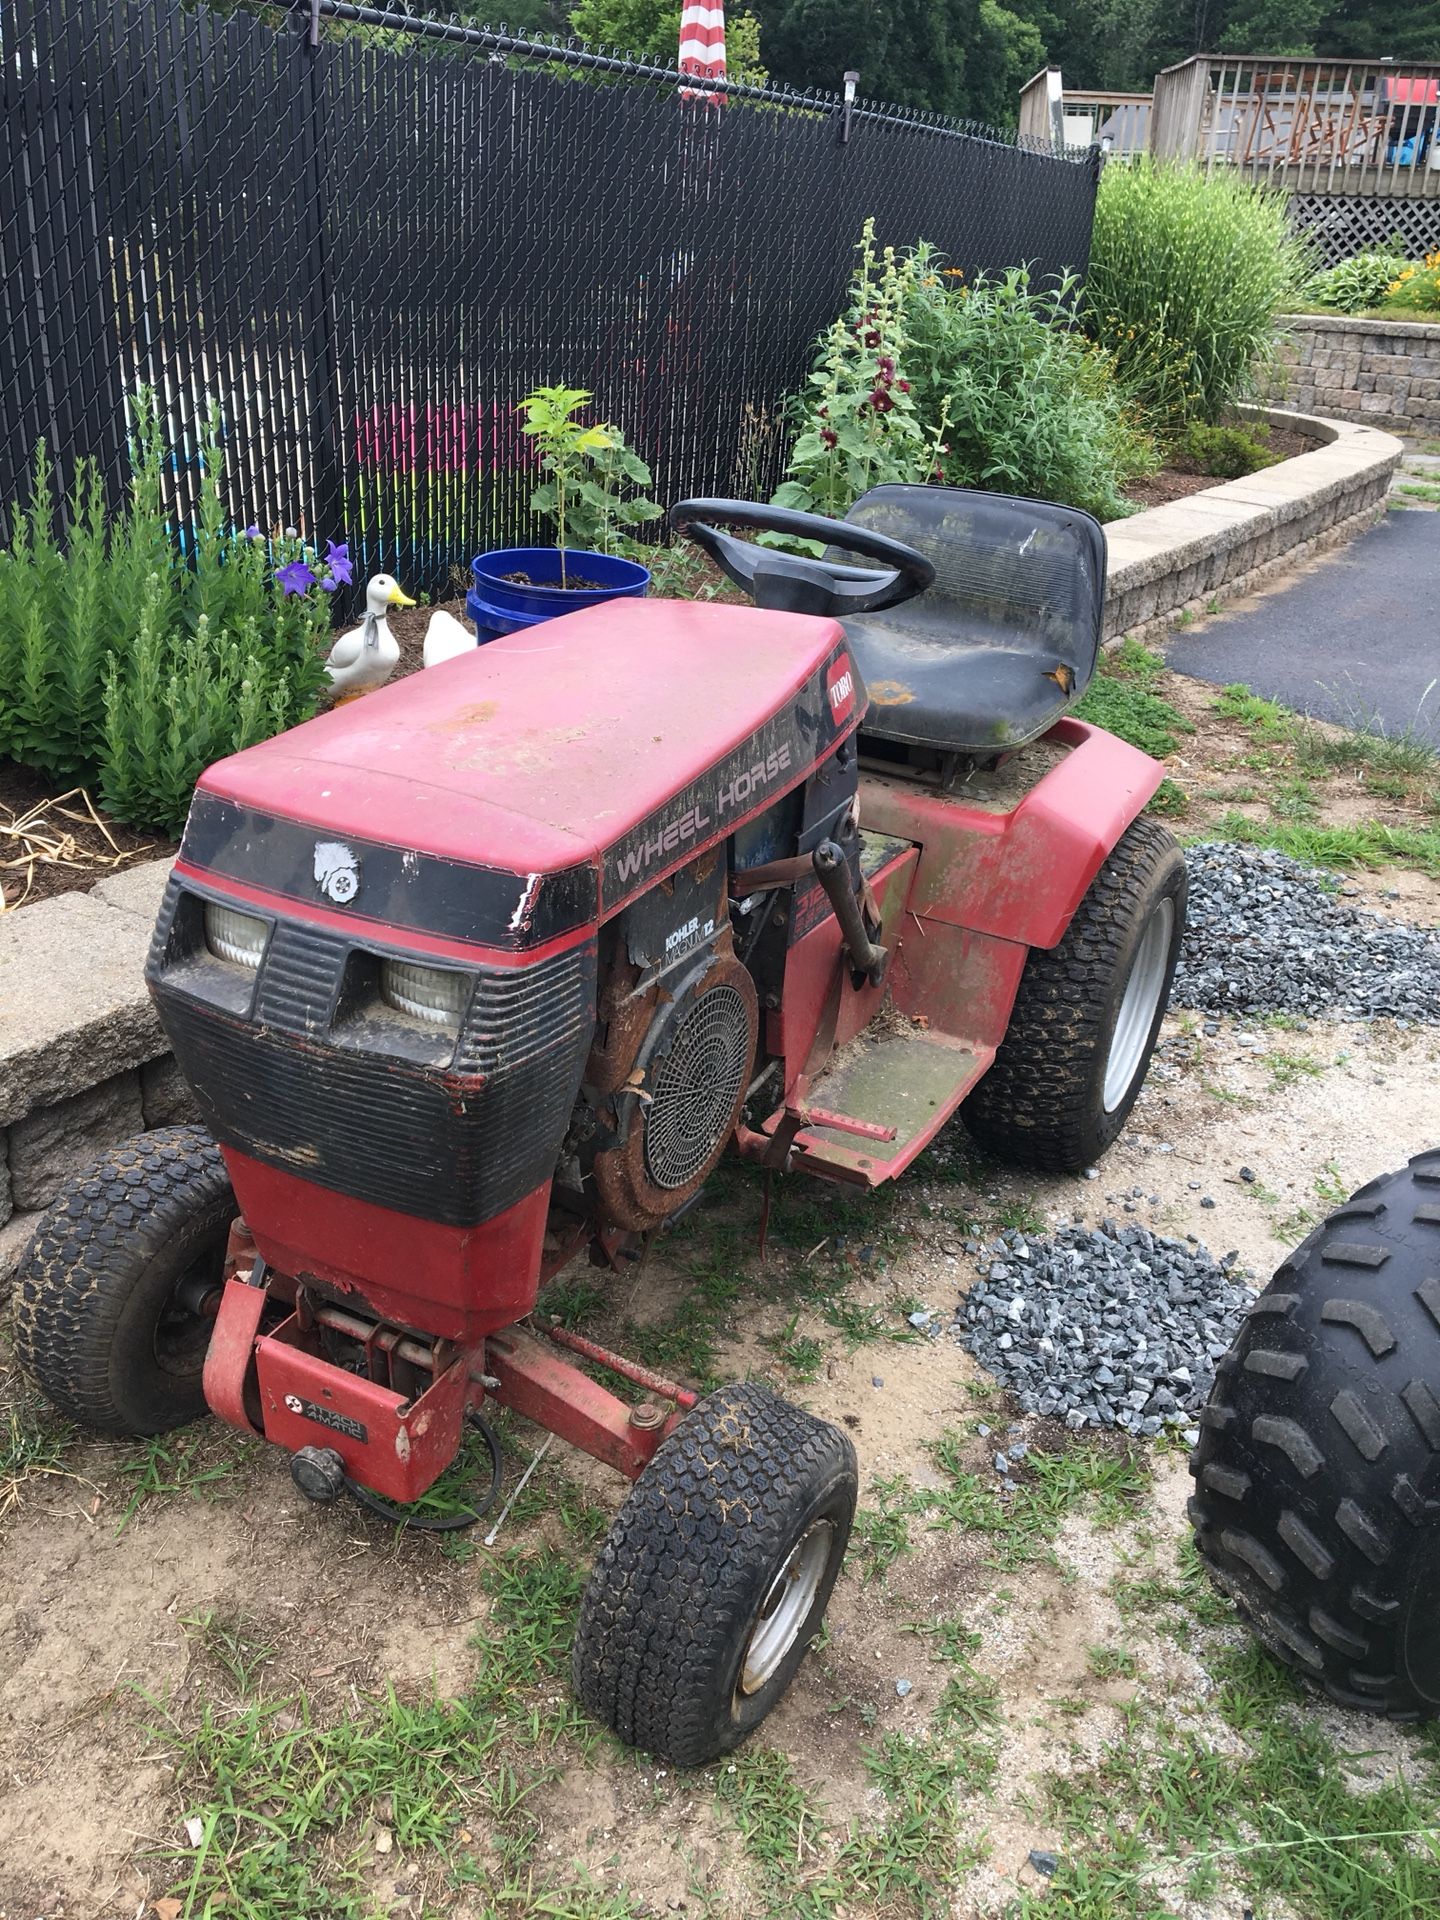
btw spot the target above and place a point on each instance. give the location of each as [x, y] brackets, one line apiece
[499, 605]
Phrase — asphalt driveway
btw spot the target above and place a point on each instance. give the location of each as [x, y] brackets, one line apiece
[1356, 640]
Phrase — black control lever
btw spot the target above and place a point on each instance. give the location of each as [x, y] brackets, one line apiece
[832, 870]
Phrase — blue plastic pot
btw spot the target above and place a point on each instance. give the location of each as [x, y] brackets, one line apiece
[497, 605]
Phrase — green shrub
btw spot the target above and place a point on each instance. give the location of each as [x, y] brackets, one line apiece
[586, 465]
[987, 386]
[1024, 401]
[1355, 284]
[1187, 273]
[1227, 452]
[123, 666]
[1416, 287]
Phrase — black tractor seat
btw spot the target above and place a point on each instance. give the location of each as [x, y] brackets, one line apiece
[991, 655]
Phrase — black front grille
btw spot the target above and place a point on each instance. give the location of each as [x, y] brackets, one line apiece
[297, 1086]
[300, 979]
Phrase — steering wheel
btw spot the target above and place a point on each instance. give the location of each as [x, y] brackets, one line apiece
[796, 583]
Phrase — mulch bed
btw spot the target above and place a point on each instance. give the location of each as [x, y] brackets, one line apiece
[1182, 478]
[53, 841]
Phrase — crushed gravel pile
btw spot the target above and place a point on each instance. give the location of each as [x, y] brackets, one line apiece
[1267, 934]
[1108, 1327]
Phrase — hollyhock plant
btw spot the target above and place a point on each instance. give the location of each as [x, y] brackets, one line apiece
[858, 425]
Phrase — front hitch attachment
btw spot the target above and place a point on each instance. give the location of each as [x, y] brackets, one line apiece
[832, 870]
[319, 1473]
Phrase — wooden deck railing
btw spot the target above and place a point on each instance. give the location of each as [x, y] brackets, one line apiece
[1318, 126]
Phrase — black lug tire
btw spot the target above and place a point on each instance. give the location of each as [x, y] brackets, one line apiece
[688, 1563]
[100, 1274]
[1317, 1501]
[1042, 1102]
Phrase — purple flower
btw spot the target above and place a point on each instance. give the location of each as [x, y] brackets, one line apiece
[252, 532]
[295, 578]
[337, 562]
[329, 583]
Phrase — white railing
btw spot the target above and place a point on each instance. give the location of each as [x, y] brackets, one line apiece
[1117, 123]
[1068, 117]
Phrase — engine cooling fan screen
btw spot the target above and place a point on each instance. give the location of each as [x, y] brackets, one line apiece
[696, 1086]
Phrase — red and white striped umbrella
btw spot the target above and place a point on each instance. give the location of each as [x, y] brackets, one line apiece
[702, 47]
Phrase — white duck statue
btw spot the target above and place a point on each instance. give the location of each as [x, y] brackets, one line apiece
[446, 638]
[365, 658]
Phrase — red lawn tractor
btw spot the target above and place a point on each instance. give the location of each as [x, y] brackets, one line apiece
[490, 968]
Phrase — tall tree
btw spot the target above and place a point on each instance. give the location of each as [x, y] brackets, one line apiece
[651, 30]
[914, 52]
[1381, 29]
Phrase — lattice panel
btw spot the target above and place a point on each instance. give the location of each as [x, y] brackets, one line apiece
[1342, 224]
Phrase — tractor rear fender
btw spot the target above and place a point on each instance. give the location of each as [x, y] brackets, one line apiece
[1018, 876]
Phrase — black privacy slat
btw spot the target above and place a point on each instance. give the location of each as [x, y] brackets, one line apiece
[368, 251]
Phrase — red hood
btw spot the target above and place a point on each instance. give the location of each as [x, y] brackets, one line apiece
[625, 737]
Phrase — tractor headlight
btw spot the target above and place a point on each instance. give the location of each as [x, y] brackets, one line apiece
[236, 937]
[433, 994]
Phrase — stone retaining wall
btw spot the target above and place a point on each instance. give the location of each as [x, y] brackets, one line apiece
[1384, 373]
[1228, 540]
[83, 1060]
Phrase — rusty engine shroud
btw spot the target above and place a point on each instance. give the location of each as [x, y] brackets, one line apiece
[675, 1042]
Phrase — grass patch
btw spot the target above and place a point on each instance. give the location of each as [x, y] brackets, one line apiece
[1266, 719]
[1121, 698]
[1421, 490]
[1174, 1606]
[234, 1646]
[911, 1862]
[881, 1534]
[800, 1354]
[1170, 799]
[171, 1463]
[1364, 745]
[1020, 1216]
[285, 1806]
[1291, 1227]
[31, 1447]
[1041, 1493]
[1363, 843]
[1279, 1821]
[1111, 1663]
[1286, 1068]
[1331, 1187]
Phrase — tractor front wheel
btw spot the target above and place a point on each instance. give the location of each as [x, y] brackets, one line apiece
[1087, 1014]
[1317, 1498]
[715, 1576]
[115, 1295]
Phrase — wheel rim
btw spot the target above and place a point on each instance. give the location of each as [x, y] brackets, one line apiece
[1138, 1006]
[786, 1606]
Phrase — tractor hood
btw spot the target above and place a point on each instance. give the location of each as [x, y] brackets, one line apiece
[532, 787]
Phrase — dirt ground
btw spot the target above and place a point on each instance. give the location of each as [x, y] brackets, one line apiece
[189, 1651]
[101, 1659]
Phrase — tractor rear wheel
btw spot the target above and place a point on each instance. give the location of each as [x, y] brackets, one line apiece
[1087, 1014]
[114, 1297]
[715, 1576]
[1317, 1501]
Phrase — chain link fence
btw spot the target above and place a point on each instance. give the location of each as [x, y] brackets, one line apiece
[364, 236]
